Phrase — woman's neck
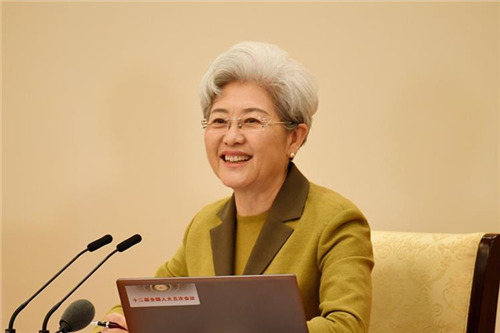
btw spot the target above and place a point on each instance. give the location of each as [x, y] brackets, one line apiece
[256, 201]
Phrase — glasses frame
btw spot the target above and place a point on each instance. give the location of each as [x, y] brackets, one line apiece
[239, 122]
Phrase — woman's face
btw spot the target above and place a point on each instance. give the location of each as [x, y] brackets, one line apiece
[247, 159]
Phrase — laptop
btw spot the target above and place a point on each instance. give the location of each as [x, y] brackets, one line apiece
[217, 304]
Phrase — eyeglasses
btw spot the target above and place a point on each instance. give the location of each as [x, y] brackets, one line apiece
[244, 124]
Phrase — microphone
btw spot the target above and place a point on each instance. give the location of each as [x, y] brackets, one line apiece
[97, 244]
[129, 242]
[91, 247]
[77, 316]
[126, 244]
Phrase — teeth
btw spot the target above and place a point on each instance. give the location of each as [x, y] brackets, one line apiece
[237, 158]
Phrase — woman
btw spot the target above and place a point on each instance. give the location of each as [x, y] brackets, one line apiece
[258, 106]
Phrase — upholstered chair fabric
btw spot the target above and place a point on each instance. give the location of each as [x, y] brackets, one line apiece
[422, 282]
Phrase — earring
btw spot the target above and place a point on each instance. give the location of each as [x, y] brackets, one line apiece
[292, 155]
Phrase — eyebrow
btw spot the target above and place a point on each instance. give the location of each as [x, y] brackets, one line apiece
[247, 110]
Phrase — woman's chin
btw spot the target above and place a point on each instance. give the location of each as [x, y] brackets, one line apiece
[234, 181]
[233, 184]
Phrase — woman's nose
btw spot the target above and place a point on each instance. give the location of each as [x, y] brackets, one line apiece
[234, 134]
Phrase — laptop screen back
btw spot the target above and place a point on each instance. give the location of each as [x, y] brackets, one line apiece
[222, 304]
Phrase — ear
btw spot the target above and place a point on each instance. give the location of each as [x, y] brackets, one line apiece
[296, 138]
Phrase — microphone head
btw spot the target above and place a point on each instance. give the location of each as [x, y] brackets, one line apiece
[77, 316]
[97, 244]
[129, 242]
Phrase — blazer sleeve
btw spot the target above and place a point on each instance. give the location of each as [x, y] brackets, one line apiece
[177, 265]
[345, 260]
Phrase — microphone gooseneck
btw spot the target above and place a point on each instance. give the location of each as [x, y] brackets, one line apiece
[129, 242]
[90, 247]
[77, 316]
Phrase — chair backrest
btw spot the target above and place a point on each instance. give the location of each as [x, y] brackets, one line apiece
[424, 282]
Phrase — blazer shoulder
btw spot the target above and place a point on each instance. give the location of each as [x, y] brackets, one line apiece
[214, 207]
[325, 197]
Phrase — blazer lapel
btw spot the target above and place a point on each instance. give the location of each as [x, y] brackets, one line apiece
[288, 205]
[222, 238]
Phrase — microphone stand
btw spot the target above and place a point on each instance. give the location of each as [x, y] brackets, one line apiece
[126, 244]
[55, 307]
[22, 306]
[91, 247]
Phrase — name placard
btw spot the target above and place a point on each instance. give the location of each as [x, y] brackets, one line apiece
[170, 294]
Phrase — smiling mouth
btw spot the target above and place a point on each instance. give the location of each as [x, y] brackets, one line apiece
[235, 158]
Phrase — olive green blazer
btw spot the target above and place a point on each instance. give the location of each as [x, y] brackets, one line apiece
[311, 232]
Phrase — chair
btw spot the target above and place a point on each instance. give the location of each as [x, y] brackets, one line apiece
[424, 282]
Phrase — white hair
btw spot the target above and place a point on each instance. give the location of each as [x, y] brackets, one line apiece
[287, 81]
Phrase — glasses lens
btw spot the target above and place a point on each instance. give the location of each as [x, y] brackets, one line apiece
[252, 123]
[217, 123]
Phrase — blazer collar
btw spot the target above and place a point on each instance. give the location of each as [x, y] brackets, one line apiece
[288, 206]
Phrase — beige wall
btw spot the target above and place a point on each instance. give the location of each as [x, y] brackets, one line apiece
[101, 125]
